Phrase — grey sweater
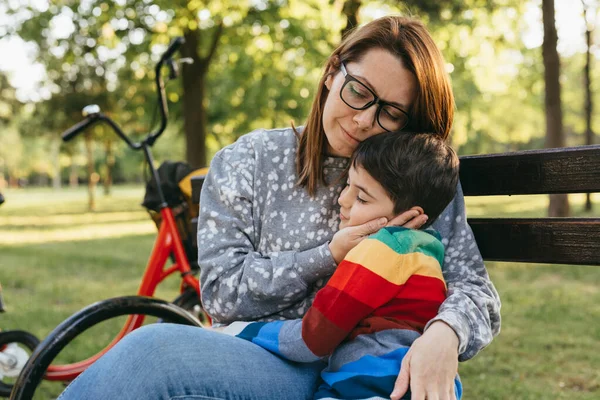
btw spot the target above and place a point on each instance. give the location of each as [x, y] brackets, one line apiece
[263, 242]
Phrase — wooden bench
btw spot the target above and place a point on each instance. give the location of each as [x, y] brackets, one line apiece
[548, 171]
[532, 240]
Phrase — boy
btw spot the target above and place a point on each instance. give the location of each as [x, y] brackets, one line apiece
[389, 286]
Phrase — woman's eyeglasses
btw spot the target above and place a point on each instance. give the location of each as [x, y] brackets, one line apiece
[358, 96]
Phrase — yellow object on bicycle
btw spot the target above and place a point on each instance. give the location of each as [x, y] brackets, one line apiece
[185, 185]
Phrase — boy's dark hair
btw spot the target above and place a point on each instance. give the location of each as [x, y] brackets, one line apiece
[415, 169]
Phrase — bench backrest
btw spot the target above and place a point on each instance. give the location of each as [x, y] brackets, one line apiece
[536, 240]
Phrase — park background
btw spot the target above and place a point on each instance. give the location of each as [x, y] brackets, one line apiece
[72, 230]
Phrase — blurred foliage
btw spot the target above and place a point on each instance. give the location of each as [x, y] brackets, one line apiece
[267, 61]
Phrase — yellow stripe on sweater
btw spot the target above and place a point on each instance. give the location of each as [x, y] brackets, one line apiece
[395, 268]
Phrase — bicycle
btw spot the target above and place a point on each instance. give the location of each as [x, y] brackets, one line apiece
[15, 348]
[168, 244]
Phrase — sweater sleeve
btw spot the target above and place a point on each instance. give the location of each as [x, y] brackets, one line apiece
[400, 270]
[237, 281]
[472, 307]
[283, 338]
[352, 293]
[375, 273]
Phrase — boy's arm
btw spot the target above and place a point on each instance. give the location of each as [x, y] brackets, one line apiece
[371, 275]
[283, 338]
[379, 269]
[352, 293]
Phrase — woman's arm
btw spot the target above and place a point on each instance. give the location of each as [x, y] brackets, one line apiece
[237, 281]
[467, 320]
[472, 308]
[378, 270]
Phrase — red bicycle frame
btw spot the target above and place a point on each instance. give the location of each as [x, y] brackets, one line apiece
[167, 242]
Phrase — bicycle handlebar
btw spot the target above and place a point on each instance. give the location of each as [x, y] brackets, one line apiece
[173, 47]
[151, 138]
[77, 129]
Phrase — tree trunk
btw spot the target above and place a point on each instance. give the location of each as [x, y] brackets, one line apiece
[559, 203]
[3, 182]
[92, 175]
[589, 134]
[194, 115]
[194, 88]
[110, 163]
[73, 174]
[56, 183]
[350, 10]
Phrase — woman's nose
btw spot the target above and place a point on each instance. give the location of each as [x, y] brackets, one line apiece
[365, 118]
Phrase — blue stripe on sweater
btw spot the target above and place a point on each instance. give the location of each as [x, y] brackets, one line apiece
[251, 331]
[268, 336]
[384, 365]
[369, 376]
[360, 387]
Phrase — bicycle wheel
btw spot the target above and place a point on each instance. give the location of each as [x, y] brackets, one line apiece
[44, 354]
[19, 346]
[190, 301]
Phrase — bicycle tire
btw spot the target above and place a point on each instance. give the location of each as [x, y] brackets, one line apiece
[189, 301]
[22, 337]
[33, 372]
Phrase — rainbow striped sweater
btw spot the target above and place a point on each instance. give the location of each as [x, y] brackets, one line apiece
[364, 320]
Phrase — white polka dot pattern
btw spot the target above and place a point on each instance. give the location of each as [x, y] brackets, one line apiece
[263, 242]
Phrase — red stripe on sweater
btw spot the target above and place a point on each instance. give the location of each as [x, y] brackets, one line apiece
[418, 301]
[424, 287]
[340, 308]
[359, 282]
[321, 335]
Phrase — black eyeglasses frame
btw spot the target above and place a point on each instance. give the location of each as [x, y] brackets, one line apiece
[376, 100]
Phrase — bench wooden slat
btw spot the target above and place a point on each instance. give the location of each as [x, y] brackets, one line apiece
[195, 229]
[561, 170]
[197, 182]
[536, 240]
[539, 240]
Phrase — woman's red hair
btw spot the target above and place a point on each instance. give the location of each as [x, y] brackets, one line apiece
[407, 39]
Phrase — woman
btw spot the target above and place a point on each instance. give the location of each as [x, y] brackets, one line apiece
[268, 241]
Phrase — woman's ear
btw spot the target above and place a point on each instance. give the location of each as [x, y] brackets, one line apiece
[330, 75]
[329, 80]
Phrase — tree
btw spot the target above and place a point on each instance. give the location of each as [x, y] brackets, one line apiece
[114, 48]
[350, 11]
[10, 107]
[559, 203]
[589, 134]
[432, 9]
[194, 93]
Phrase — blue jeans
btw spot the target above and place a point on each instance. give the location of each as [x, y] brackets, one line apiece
[167, 361]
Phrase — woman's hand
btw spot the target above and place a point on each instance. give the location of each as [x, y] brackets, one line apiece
[413, 219]
[430, 365]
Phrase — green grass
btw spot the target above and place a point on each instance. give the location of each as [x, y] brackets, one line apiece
[55, 258]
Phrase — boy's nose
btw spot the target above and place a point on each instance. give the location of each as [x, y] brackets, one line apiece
[343, 199]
